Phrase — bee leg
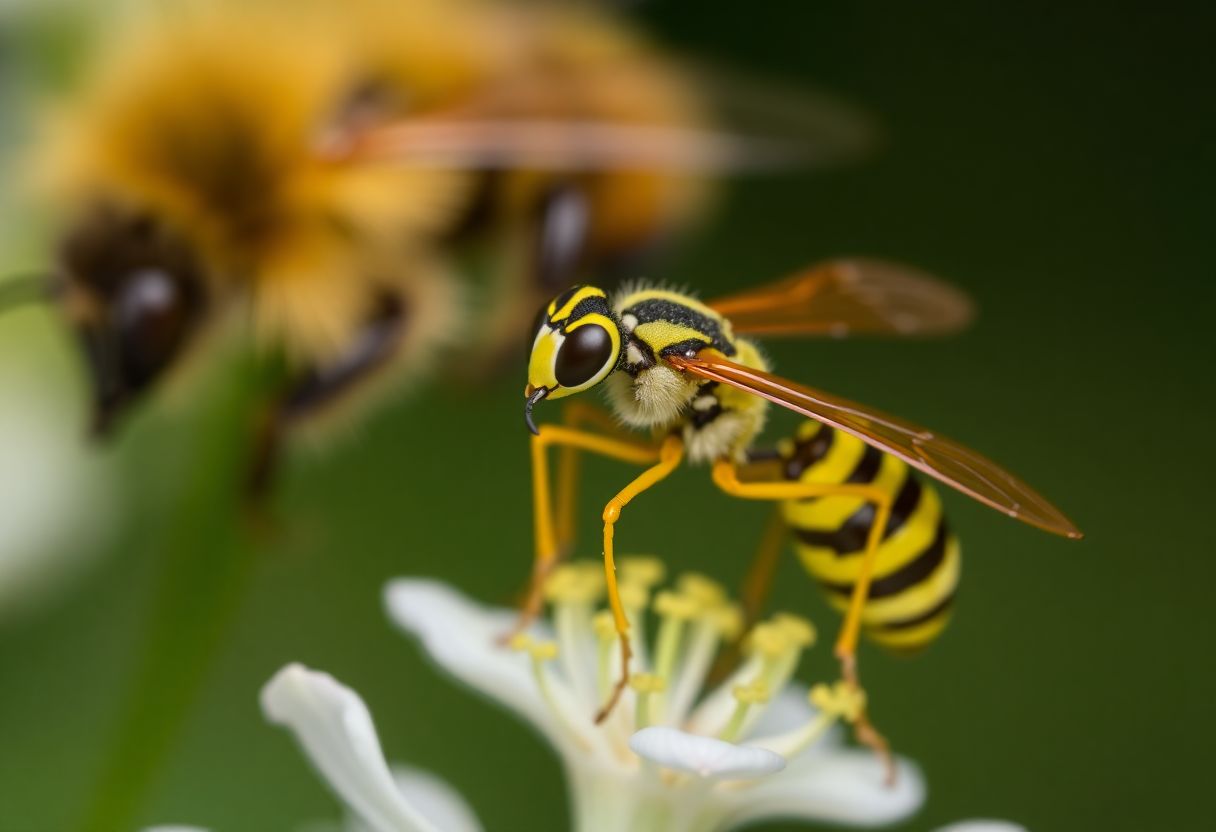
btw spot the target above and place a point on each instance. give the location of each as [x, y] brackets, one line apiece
[309, 393]
[548, 552]
[670, 454]
[725, 476]
[562, 229]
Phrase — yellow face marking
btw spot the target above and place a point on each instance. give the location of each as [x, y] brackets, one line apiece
[557, 315]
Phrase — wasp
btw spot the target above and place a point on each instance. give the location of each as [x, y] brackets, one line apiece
[319, 175]
[866, 525]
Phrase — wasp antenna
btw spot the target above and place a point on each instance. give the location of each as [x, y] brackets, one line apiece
[20, 289]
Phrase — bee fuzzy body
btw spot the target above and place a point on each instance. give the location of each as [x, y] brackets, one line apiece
[918, 560]
[198, 138]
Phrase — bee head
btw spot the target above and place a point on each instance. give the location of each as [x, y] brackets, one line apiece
[576, 343]
[135, 295]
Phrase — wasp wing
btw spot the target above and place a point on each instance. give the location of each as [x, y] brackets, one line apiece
[939, 457]
[850, 296]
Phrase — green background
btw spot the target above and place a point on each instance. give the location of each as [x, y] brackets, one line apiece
[1056, 160]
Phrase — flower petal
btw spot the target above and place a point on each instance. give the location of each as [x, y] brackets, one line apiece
[837, 786]
[435, 798]
[335, 730]
[462, 636]
[704, 756]
[983, 826]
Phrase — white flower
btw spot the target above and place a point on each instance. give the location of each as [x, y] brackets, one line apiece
[670, 756]
[52, 510]
[335, 729]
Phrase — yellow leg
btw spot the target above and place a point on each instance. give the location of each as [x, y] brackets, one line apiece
[670, 454]
[547, 553]
[725, 475]
[759, 578]
[576, 414]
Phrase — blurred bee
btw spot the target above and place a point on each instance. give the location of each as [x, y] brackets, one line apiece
[867, 528]
[315, 170]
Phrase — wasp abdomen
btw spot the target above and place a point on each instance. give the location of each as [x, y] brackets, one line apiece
[917, 566]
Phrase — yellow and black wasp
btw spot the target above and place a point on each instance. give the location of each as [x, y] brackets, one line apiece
[866, 526]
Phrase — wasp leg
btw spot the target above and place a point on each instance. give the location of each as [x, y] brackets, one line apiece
[310, 392]
[670, 454]
[548, 553]
[725, 476]
[576, 414]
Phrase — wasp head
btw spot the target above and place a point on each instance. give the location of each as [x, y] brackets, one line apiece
[576, 343]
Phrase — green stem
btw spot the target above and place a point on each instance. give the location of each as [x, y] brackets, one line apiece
[205, 560]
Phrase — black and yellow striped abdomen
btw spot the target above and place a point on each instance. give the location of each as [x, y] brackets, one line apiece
[917, 568]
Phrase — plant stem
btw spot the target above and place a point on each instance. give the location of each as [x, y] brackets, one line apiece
[206, 558]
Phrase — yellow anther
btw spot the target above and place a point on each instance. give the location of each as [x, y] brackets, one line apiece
[543, 651]
[574, 585]
[647, 683]
[728, 618]
[641, 569]
[769, 640]
[701, 589]
[676, 606]
[604, 625]
[800, 631]
[756, 693]
[840, 700]
[634, 595]
[520, 641]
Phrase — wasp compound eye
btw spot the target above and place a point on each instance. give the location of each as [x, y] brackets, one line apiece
[582, 355]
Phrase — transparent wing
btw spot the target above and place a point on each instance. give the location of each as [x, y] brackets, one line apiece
[551, 123]
[560, 145]
[846, 297]
[937, 456]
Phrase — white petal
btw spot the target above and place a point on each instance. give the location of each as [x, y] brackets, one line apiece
[704, 756]
[983, 826]
[335, 729]
[435, 798]
[788, 711]
[54, 498]
[839, 786]
[461, 636]
[173, 827]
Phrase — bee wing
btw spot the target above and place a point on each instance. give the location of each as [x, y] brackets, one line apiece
[939, 457]
[558, 145]
[755, 126]
[845, 297]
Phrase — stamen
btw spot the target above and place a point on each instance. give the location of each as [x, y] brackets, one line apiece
[605, 634]
[634, 598]
[541, 652]
[839, 701]
[799, 630]
[757, 693]
[644, 570]
[675, 610]
[572, 589]
[645, 685]
[722, 621]
[702, 589]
